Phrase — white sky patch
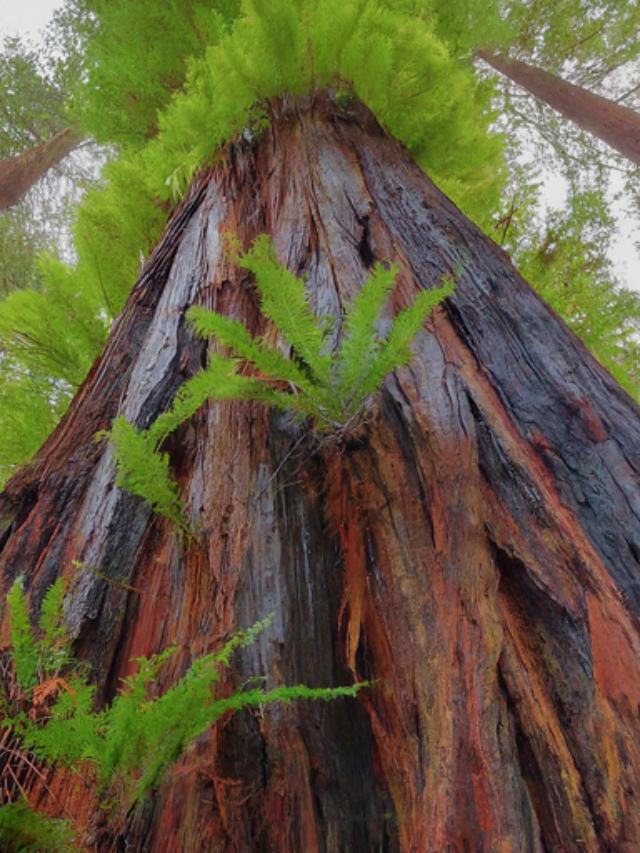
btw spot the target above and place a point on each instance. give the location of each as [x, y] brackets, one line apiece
[624, 252]
[22, 17]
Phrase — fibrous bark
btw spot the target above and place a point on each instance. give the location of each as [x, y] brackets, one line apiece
[473, 550]
[614, 124]
[18, 174]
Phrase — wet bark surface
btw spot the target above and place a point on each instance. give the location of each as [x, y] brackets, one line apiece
[473, 551]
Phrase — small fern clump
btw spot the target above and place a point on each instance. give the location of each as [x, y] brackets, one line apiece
[129, 745]
[38, 658]
[333, 390]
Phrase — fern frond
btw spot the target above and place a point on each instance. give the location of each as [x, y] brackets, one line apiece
[25, 652]
[23, 830]
[233, 334]
[361, 343]
[396, 348]
[72, 733]
[285, 303]
[130, 745]
[218, 381]
[144, 472]
[54, 649]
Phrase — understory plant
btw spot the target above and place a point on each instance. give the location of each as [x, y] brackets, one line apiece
[127, 747]
[333, 390]
[23, 830]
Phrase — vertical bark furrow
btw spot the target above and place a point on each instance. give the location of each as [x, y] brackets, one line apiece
[554, 393]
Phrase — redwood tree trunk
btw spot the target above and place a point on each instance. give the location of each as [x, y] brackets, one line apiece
[18, 174]
[614, 124]
[474, 552]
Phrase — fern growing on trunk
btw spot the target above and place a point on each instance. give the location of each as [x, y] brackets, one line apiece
[128, 746]
[334, 391]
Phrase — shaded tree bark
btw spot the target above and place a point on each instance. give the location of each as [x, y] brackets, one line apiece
[473, 551]
[614, 124]
[18, 174]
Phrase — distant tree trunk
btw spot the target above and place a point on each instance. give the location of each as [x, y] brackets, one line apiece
[18, 174]
[474, 551]
[614, 124]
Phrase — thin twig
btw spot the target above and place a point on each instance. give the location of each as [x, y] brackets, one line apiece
[102, 577]
[279, 468]
[25, 760]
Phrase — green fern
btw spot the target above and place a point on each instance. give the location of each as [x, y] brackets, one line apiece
[285, 303]
[25, 653]
[334, 391]
[144, 472]
[218, 381]
[361, 345]
[131, 744]
[54, 647]
[38, 655]
[397, 348]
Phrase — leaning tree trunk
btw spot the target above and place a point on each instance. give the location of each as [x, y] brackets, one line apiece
[614, 124]
[474, 552]
[20, 173]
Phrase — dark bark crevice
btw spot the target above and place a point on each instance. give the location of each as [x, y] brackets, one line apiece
[560, 657]
[540, 827]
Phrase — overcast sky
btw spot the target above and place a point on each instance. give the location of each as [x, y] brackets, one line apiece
[22, 16]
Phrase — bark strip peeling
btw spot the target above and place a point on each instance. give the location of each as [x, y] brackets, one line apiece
[474, 551]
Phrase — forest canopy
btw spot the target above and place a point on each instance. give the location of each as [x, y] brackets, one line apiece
[161, 88]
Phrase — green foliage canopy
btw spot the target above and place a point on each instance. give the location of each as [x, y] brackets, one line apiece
[167, 84]
[568, 263]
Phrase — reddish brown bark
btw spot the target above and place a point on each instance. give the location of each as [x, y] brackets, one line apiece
[473, 551]
[614, 124]
[18, 174]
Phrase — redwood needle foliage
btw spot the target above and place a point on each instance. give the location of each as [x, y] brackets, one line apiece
[128, 746]
[170, 87]
[190, 75]
[333, 390]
